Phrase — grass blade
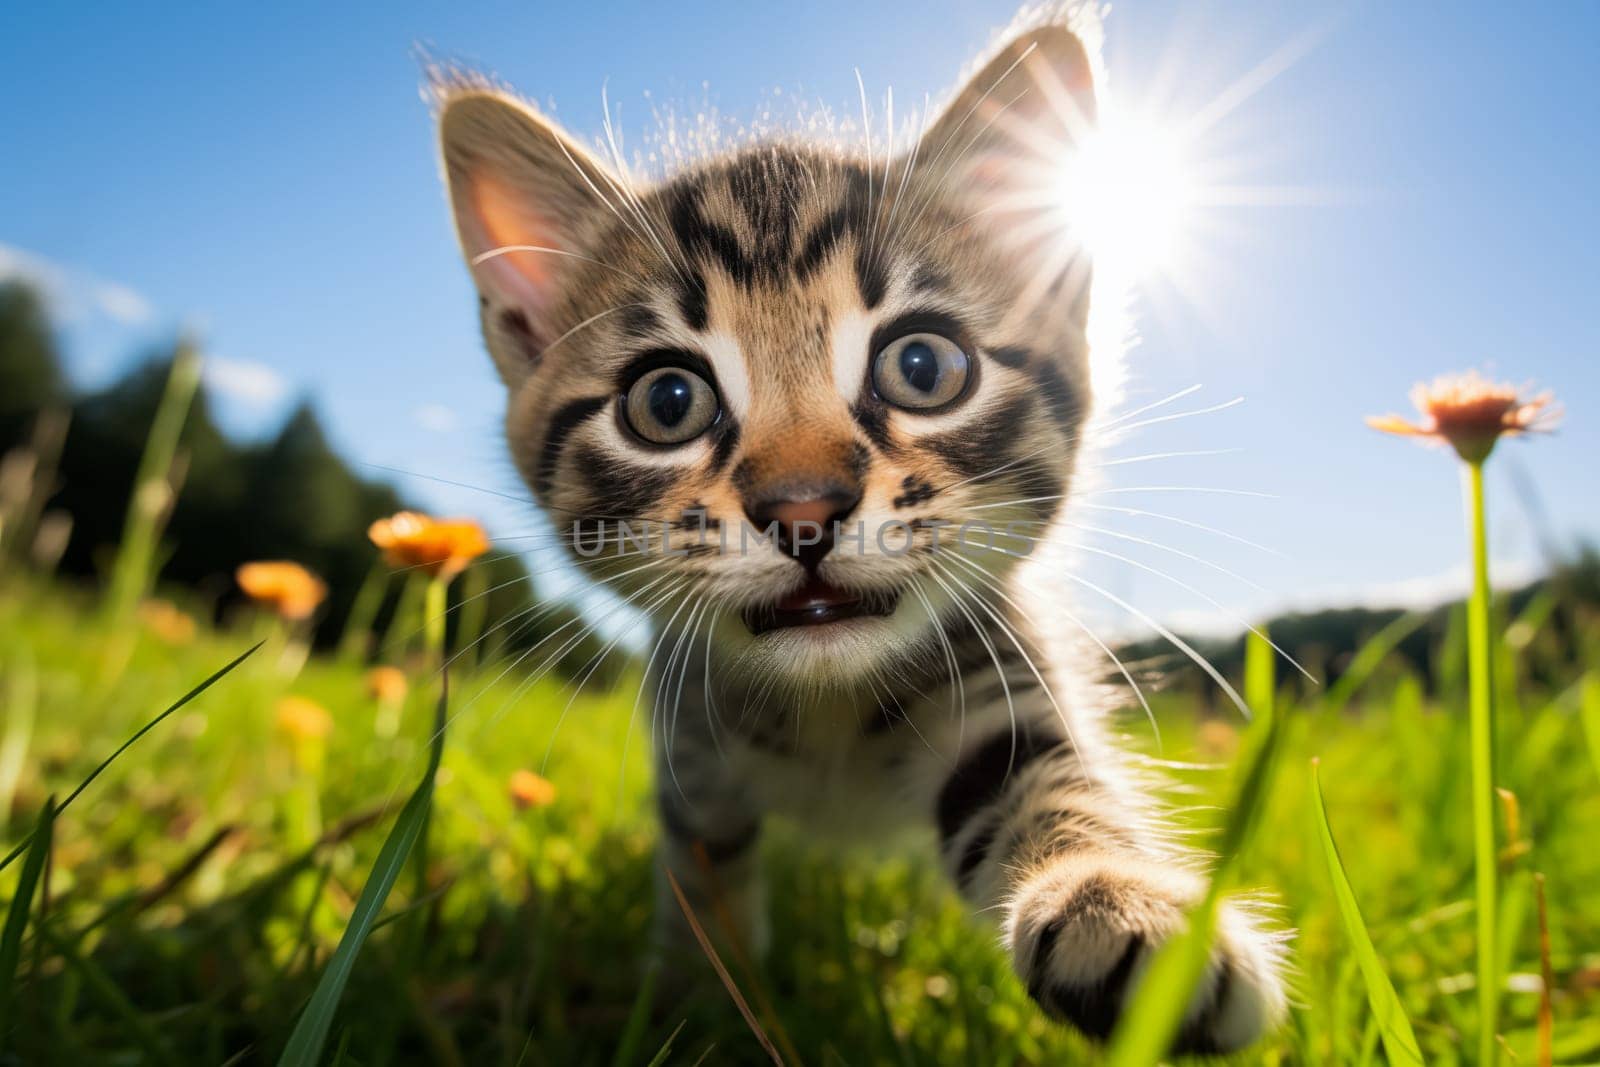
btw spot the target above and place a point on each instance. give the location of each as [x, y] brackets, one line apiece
[146, 728]
[108, 993]
[1370, 656]
[21, 905]
[722, 971]
[665, 1050]
[1399, 1041]
[1589, 708]
[311, 1030]
[638, 1018]
[1147, 1028]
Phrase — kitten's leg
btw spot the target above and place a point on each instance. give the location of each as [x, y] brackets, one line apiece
[1085, 897]
[710, 828]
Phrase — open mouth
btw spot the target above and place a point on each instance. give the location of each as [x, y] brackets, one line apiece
[817, 603]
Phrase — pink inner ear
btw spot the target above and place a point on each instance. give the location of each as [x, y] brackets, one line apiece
[496, 216]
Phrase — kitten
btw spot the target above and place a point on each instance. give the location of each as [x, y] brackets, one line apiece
[854, 359]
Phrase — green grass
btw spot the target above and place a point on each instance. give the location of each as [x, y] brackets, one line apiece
[193, 905]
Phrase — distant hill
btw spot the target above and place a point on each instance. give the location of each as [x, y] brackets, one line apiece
[1557, 610]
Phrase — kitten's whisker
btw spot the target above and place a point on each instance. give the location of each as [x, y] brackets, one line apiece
[1163, 402]
[1177, 642]
[577, 513]
[630, 197]
[447, 481]
[1123, 461]
[669, 724]
[522, 656]
[866, 128]
[590, 321]
[504, 250]
[991, 472]
[905, 172]
[958, 690]
[1114, 490]
[594, 664]
[584, 175]
[1088, 632]
[1147, 542]
[524, 577]
[713, 719]
[646, 679]
[1180, 521]
[1011, 633]
[1119, 490]
[983, 99]
[1189, 588]
[1129, 427]
[994, 655]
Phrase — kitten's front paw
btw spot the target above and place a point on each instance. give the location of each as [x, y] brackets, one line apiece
[1082, 934]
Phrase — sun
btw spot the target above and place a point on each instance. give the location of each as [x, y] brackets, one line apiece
[1128, 192]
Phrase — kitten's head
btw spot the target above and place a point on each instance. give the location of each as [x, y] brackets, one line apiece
[860, 356]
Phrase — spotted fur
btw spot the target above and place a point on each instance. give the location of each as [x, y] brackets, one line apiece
[777, 272]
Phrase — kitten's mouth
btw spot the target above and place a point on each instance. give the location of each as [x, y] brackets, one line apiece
[817, 603]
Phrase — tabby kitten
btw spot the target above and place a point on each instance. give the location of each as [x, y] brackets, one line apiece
[854, 357]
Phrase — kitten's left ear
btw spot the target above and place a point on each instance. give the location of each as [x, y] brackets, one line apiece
[526, 198]
[1009, 128]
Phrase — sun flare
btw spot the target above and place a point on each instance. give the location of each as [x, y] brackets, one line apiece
[1128, 192]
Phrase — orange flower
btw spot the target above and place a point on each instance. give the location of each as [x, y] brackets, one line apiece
[441, 547]
[1470, 413]
[303, 720]
[386, 685]
[529, 790]
[167, 621]
[285, 587]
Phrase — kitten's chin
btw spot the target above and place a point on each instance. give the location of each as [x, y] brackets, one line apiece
[821, 646]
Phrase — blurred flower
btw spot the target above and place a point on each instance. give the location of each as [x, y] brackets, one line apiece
[386, 685]
[529, 790]
[50, 540]
[440, 547]
[302, 719]
[1470, 413]
[285, 587]
[167, 621]
[1217, 737]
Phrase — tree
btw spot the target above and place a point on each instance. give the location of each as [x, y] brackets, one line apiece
[30, 371]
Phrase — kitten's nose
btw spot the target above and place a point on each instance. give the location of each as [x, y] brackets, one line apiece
[805, 519]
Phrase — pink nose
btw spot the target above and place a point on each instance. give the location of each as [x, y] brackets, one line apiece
[789, 513]
[805, 526]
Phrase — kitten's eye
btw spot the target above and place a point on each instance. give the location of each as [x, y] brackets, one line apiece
[921, 372]
[670, 405]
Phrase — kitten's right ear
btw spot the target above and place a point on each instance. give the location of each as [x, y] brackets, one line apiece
[525, 196]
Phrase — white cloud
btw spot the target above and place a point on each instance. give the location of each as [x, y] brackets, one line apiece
[1425, 591]
[75, 294]
[243, 380]
[122, 304]
[435, 417]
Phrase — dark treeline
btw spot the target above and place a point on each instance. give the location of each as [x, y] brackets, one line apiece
[1559, 611]
[287, 497]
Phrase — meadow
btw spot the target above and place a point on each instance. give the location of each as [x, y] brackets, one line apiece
[195, 891]
[225, 844]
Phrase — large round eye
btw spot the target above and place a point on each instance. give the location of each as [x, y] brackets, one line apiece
[921, 372]
[670, 405]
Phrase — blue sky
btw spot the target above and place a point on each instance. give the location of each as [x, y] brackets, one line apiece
[266, 174]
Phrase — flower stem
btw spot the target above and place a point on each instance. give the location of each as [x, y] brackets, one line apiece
[434, 602]
[1482, 733]
[433, 606]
